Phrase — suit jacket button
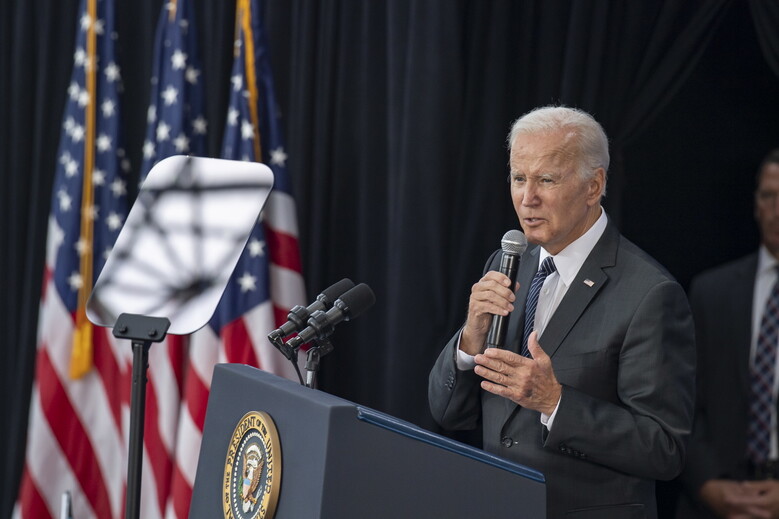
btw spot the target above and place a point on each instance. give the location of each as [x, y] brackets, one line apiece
[507, 442]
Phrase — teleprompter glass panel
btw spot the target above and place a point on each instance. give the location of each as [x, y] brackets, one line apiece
[182, 240]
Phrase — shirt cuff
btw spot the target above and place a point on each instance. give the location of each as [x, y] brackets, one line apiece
[548, 420]
[462, 360]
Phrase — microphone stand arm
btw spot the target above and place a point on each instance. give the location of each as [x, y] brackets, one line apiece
[320, 348]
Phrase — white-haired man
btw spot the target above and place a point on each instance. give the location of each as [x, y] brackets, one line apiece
[595, 385]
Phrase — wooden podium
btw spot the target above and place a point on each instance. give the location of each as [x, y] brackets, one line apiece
[336, 459]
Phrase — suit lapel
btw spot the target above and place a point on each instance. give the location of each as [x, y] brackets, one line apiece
[741, 315]
[588, 282]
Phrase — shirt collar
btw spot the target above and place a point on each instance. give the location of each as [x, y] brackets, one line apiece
[569, 260]
[766, 262]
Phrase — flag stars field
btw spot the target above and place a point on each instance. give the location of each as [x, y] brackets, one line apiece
[77, 133]
[278, 157]
[200, 125]
[108, 108]
[75, 281]
[163, 132]
[248, 282]
[170, 95]
[65, 202]
[71, 168]
[73, 91]
[114, 221]
[118, 187]
[103, 143]
[232, 116]
[178, 61]
[79, 57]
[181, 143]
[83, 98]
[112, 72]
[237, 82]
[148, 150]
[256, 247]
[192, 75]
[247, 130]
[98, 177]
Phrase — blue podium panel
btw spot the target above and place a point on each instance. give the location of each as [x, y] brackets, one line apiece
[341, 460]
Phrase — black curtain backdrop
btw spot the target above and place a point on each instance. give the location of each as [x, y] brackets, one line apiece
[396, 114]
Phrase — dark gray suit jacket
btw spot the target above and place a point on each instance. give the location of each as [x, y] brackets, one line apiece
[622, 345]
[721, 301]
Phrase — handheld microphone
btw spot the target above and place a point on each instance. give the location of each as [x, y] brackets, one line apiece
[513, 245]
[321, 324]
[298, 316]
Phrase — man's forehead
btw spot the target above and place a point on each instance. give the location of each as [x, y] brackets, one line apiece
[769, 176]
[554, 155]
[554, 144]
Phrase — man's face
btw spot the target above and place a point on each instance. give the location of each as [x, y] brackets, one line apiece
[767, 207]
[555, 206]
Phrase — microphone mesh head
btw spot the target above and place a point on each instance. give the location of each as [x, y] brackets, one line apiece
[357, 300]
[514, 243]
[333, 292]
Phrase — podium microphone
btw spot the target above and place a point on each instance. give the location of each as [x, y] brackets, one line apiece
[321, 324]
[513, 245]
[298, 316]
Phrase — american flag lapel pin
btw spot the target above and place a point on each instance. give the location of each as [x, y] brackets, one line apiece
[589, 282]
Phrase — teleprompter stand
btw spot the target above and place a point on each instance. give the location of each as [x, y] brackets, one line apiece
[142, 331]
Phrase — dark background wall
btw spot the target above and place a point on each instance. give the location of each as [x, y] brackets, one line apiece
[396, 115]
[691, 173]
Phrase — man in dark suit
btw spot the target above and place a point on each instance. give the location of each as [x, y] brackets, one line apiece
[601, 397]
[724, 475]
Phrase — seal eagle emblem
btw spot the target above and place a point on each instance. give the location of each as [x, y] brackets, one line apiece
[252, 474]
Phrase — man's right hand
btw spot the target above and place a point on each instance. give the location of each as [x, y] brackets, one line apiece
[491, 295]
[734, 499]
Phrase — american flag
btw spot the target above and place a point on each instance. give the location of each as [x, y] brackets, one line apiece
[76, 439]
[267, 281]
[176, 125]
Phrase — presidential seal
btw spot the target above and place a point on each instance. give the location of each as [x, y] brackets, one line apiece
[252, 476]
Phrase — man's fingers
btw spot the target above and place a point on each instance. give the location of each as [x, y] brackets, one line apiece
[537, 353]
[495, 282]
[499, 355]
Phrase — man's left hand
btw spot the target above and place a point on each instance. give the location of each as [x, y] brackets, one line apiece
[529, 382]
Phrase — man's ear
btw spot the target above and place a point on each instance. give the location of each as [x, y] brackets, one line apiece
[596, 185]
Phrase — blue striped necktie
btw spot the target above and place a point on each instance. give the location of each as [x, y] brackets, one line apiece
[547, 267]
[762, 374]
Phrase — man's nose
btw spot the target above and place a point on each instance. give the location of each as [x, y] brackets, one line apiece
[530, 194]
